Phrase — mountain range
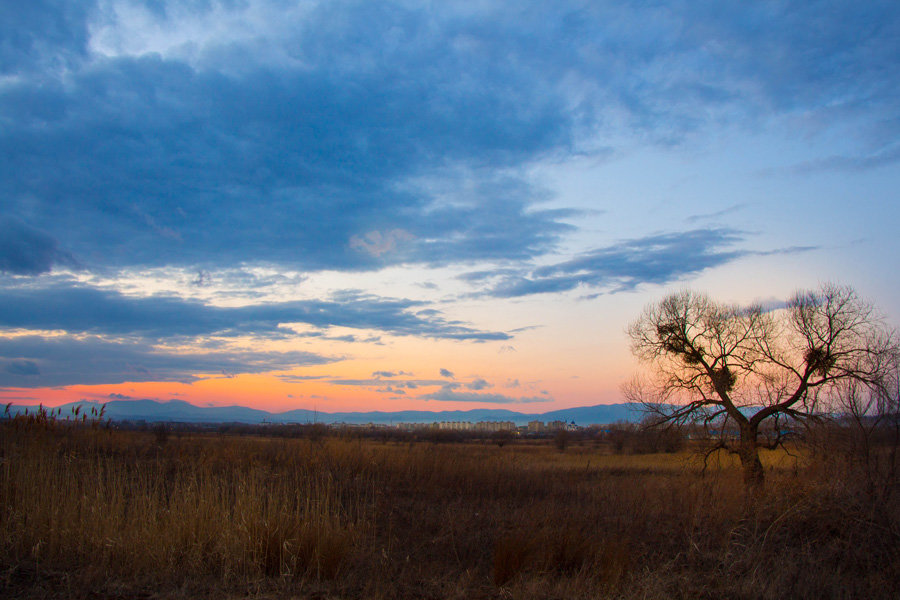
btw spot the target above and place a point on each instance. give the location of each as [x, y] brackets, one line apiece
[184, 412]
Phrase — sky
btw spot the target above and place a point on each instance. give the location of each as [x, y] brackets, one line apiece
[352, 206]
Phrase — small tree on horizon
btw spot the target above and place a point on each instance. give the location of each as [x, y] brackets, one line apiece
[728, 366]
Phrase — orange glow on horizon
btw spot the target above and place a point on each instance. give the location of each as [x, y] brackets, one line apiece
[580, 375]
[271, 393]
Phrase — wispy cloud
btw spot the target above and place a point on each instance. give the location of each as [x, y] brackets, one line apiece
[450, 394]
[35, 361]
[389, 374]
[711, 216]
[410, 384]
[100, 311]
[657, 258]
[882, 157]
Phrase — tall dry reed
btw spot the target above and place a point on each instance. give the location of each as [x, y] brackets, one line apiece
[349, 518]
[233, 510]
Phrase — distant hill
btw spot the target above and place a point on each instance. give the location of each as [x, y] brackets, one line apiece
[183, 412]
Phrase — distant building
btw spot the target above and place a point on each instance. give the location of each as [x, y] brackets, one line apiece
[456, 426]
[496, 426]
[487, 426]
[536, 427]
[412, 426]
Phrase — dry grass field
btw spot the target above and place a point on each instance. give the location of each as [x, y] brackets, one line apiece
[95, 512]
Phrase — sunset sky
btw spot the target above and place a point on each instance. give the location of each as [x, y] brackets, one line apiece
[422, 205]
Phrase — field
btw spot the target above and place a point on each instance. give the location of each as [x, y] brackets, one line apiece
[96, 512]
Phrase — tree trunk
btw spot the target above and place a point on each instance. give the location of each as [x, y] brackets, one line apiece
[748, 451]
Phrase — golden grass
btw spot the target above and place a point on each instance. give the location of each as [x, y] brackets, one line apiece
[90, 511]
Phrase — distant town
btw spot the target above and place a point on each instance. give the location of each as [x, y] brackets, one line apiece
[491, 426]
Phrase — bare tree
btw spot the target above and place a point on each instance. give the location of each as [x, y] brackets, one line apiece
[738, 368]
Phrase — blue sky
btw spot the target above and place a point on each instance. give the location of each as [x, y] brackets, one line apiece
[289, 197]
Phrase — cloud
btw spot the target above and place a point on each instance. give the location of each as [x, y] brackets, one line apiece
[717, 214]
[391, 390]
[27, 251]
[410, 384]
[659, 259]
[448, 391]
[91, 310]
[377, 243]
[314, 167]
[349, 136]
[22, 367]
[35, 361]
[389, 374]
[228, 141]
[771, 304]
[882, 157]
[42, 35]
[446, 373]
[203, 279]
[448, 394]
[301, 378]
[477, 384]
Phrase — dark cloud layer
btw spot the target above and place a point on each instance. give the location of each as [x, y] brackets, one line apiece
[149, 161]
[91, 310]
[341, 145]
[42, 35]
[35, 361]
[659, 259]
[26, 251]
